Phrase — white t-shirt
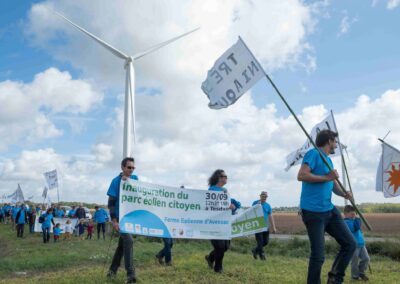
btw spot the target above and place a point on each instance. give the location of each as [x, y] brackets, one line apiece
[68, 228]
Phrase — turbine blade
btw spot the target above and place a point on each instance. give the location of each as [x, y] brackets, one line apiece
[158, 46]
[113, 50]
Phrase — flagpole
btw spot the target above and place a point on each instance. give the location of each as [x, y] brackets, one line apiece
[345, 172]
[58, 195]
[308, 136]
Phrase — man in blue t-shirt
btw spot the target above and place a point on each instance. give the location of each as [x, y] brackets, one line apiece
[125, 242]
[100, 217]
[262, 238]
[20, 220]
[319, 214]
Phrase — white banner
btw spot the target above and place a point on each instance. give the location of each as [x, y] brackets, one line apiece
[62, 221]
[388, 173]
[51, 179]
[235, 72]
[296, 157]
[249, 222]
[169, 212]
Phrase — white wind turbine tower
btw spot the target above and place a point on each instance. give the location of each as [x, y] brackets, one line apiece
[129, 112]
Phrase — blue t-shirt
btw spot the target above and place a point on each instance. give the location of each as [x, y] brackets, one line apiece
[14, 212]
[267, 210]
[47, 220]
[355, 227]
[59, 213]
[316, 196]
[57, 231]
[72, 213]
[113, 190]
[21, 217]
[100, 216]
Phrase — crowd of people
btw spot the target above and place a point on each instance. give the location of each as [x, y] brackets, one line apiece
[318, 213]
[18, 215]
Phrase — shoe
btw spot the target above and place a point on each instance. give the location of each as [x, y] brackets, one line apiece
[111, 274]
[218, 270]
[364, 277]
[168, 263]
[131, 279]
[253, 251]
[262, 257]
[331, 280]
[159, 259]
[209, 262]
[355, 278]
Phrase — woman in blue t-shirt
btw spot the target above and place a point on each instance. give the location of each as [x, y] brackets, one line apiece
[214, 259]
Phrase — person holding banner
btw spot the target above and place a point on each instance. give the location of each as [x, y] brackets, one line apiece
[262, 238]
[125, 242]
[214, 259]
[319, 214]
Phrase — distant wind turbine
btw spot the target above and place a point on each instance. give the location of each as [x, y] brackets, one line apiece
[129, 112]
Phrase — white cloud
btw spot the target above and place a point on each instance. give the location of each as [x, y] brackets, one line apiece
[392, 4]
[26, 106]
[346, 23]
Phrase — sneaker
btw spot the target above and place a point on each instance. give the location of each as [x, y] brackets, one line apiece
[262, 257]
[131, 279]
[209, 262]
[159, 259]
[169, 263]
[364, 277]
[111, 274]
[253, 251]
[331, 280]
[355, 278]
[218, 270]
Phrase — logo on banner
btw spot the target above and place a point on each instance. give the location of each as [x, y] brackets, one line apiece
[394, 176]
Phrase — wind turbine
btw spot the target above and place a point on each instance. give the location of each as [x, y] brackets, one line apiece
[129, 110]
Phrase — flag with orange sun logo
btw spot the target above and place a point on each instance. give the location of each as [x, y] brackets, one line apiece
[388, 173]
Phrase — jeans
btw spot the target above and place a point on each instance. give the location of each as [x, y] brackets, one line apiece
[217, 254]
[46, 234]
[125, 249]
[166, 250]
[317, 223]
[262, 240]
[359, 262]
[20, 230]
[31, 227]
[101, 226]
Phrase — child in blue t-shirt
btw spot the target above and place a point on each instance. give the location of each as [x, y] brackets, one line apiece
[57, 232]
[360, 260]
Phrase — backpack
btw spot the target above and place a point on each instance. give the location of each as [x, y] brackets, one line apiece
[41, 219]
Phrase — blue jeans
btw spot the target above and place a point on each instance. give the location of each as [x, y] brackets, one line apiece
[317, 223]
[166, 250]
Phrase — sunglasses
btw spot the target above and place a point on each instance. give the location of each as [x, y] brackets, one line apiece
[130, 168]
[223, 176]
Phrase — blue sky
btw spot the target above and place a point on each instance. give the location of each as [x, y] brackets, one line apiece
[340, 55]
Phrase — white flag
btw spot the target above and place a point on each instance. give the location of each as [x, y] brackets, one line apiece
[296, 157]
[17, 196]
[51, 179]
[44, 193]
[235, 72]
[388, 173]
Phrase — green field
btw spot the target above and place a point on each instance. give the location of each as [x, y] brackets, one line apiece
[28, 260]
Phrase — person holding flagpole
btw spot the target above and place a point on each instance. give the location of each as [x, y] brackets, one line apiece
[319, 214]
